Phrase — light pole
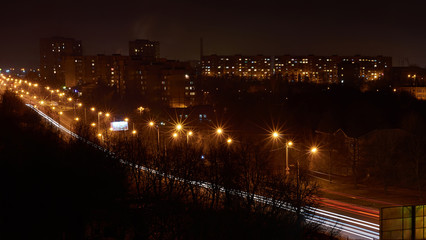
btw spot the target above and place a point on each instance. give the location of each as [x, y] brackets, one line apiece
[140, 109]
[288, 144]
[188, 134]
[99, 113]
[60, 114]
[313, 150]
[152, 124]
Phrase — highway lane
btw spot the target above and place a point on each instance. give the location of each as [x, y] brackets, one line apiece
[352, 227]
[355, 222]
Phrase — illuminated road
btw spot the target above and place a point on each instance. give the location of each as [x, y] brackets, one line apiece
[353, 221]
[352, 227]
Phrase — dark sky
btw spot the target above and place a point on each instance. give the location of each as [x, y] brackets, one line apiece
[299, 27]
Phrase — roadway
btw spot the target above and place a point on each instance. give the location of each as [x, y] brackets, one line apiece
[352, 220]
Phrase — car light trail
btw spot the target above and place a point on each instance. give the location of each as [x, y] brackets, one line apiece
[345, 224]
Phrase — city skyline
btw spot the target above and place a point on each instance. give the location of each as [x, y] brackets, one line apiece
[227, 28]
[213, 120]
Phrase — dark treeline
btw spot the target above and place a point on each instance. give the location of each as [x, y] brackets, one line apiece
[308, 106]
[54, 188]
[382, 139]
[51, 189]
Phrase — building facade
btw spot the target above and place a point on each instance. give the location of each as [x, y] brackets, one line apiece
[409, 76]
[317, 69]
[417, 92]
[52, 53]
[169, 82]
[143, 49]
[141, 75]
[410, 79]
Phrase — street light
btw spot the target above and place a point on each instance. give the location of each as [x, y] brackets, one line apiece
[219, 131]
[99, 113]
[152, 124]
[141, 109]
[288, 144]
[179, 127]
[275, 134]
[188, 135]
[229, 141]
[312, 150]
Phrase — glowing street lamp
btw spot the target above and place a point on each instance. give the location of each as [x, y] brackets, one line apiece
[140, 109]
[275, 134]
[288, 144]
[179, 127]
[152, 124]
[219, 131]
[229, 140]
[188, 135]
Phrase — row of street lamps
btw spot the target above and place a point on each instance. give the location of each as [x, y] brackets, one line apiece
[289, 144]
[178, 127]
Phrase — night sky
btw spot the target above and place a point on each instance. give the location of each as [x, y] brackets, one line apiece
[374, 27]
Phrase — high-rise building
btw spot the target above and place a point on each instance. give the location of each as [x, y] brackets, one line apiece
[140, 76]
[72, 68]
[53, 52]
[168, 82]
[143, 49]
